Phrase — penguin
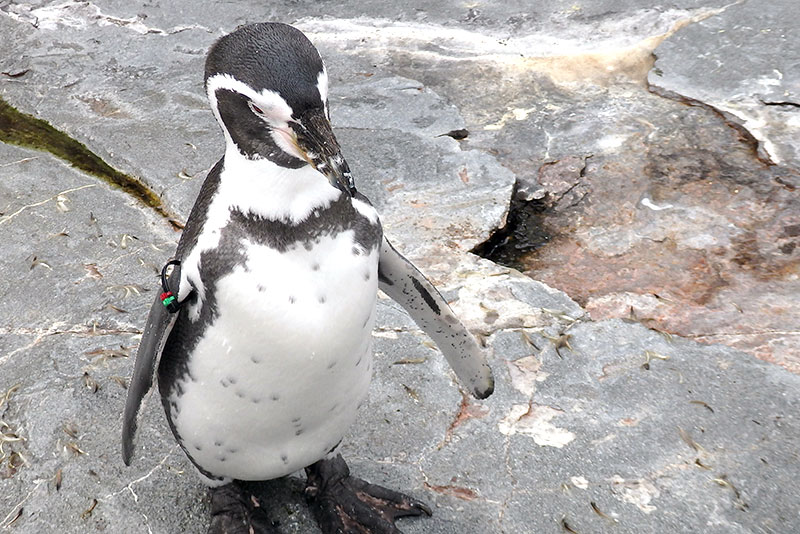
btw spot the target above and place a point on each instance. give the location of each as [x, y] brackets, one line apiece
[262, 339]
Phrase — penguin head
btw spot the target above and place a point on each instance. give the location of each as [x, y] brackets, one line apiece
[269, 91]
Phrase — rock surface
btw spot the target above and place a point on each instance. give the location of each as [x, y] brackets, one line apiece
[653, 211]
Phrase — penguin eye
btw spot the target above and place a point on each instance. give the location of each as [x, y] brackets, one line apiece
[256, 109]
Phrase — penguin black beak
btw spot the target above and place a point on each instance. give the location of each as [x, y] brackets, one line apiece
[316, 141]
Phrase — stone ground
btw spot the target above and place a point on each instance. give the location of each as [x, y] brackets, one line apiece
[657, 199]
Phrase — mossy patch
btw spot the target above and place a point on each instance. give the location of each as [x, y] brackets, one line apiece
[25, 130]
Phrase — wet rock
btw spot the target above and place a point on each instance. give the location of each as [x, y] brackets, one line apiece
[557, 187]
[679, 209]
[703, 231]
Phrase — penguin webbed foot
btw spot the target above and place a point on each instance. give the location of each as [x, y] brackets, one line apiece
[236, 511]
[343, 504]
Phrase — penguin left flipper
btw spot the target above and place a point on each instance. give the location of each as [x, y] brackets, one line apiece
[399, 279]
[159, 324]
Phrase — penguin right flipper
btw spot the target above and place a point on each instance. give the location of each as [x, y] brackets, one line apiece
[160, 321]
[156, 331]
[403, 282]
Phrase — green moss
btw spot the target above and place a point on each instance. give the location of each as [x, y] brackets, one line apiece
[25, 130]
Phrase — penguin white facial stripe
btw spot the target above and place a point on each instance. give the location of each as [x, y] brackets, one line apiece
[322, 87]
[275, 108]
[322, 84]
[267, 105]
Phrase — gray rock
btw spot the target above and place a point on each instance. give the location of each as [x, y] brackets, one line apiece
[658, 433]
[743, 62]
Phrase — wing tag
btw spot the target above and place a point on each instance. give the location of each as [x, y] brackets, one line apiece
[168, 299]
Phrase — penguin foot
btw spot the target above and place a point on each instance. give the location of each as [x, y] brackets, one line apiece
[234, 511]
[343, 504]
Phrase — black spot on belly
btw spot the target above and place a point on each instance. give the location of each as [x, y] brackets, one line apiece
[232, 379]
[367, 276]
[285, 458]
[261, 288]
[240, 394]
[322, 299]
[332, 364]
[224, 383]
[275, 397]
[299, 431]
[292, 300]
[198, 448]
[222, 458]
[255, 359]
[233, 450]
[255, 400]
[218, 443]
[315, 267]
[426, 296]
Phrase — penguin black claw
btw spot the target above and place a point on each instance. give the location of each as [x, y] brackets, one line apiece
[343, 504]
[234, 511]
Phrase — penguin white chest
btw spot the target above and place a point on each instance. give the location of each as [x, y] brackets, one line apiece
[276, 379]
